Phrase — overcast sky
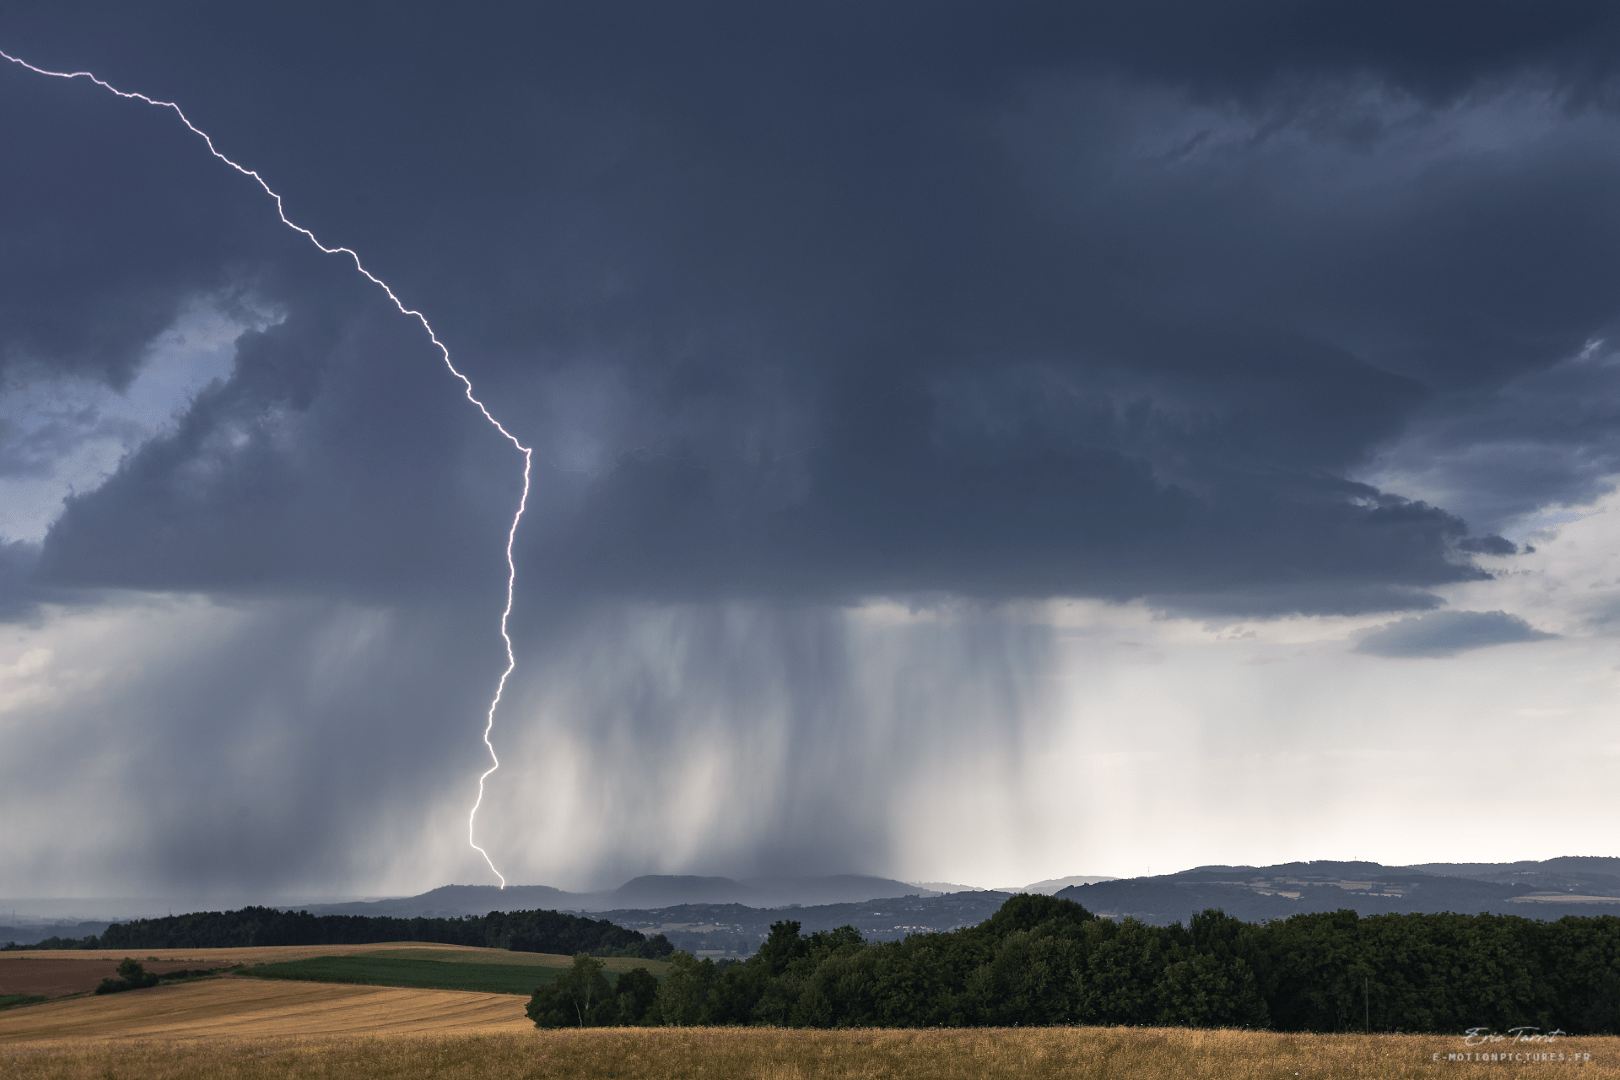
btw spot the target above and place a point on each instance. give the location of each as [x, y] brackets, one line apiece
[973, 442]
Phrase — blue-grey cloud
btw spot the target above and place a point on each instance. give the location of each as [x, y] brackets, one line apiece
[1000, 311]
[1446, 633]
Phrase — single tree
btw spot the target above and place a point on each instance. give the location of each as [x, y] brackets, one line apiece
[575, 995]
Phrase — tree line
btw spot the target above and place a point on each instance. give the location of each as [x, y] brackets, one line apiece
[519, 931]
[1041, 960]
[132, 975]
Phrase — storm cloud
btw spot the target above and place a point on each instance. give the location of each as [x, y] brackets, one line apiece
[1229, 312]
[866, 302]
[1446, 633]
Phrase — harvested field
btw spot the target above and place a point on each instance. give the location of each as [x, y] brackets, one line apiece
[772, 1054]
[56, 978]
[258, 1008]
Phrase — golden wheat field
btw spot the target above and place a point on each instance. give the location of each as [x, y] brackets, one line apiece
[241, 1028]
[261, 1008]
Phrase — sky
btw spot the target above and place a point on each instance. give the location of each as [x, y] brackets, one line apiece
[972, 442]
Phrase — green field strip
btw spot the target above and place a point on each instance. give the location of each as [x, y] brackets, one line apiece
[414, 973]
[493, 959]
[611, 964]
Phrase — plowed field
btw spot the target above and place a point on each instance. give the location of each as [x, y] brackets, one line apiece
[56, 977]
[263, 954]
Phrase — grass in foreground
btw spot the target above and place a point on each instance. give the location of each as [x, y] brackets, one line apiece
[775, 1054]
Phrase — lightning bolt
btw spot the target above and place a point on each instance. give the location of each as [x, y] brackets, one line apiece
[528, 452]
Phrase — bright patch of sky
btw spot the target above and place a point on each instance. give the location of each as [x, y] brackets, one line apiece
[66, 436]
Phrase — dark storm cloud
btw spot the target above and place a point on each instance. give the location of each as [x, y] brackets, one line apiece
[112, 222]
[1549, 437]
[1446, 633]
[338, 457]
[833, 301]
[19, 596]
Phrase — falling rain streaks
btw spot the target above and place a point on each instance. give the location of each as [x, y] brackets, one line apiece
[528, 452]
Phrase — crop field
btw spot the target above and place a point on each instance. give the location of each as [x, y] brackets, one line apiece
[427, 974]
[27, 977]
[613, 965]
[774, 1054]
[271, 1029]
[231, 1008]
[49, 978]
[480, 970]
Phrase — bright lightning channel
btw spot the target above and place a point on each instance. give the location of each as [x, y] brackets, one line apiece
[528, 452]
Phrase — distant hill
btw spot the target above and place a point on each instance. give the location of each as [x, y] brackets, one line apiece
[648, 892]
[833, 889]
[454, 901]
[724, 915]
[1546, 890]
[28, 935]
[1567, 874]
[664, 890]
[737, 930]
[667, 890]
[1054, 885]
[1570, 885]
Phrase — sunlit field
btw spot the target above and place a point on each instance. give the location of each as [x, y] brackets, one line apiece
[773, 1054]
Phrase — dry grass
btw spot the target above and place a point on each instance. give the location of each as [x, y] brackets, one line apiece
[770, 1054]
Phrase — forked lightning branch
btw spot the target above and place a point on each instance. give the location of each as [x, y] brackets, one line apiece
[528, 452]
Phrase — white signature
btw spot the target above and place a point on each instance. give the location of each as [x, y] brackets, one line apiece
[1480, 1036]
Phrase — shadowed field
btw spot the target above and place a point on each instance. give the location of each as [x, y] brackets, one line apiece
[56, 978]
[447, 967]
[260, 1049]
[261, 954]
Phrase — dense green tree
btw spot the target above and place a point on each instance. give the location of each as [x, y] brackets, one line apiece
[523, 931]
[683, 998]
[132, 975]
[578, 997]
[635, 998]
